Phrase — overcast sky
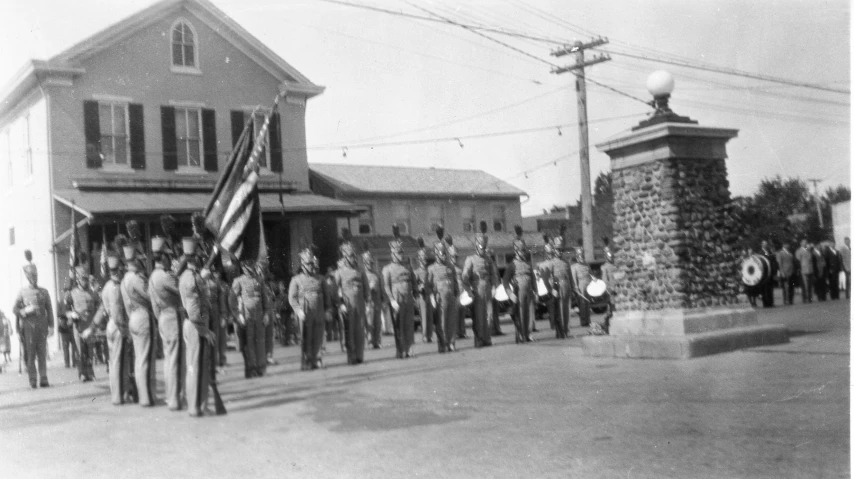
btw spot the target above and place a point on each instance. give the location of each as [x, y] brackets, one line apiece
[395, 79]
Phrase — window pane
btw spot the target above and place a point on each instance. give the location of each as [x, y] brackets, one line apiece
[105, 118]
[121, 150]
[180, 123]
[182, 153]
[107, 148]
[194, 153]
[498, 226]
[188, 34]
[193, 124]
[364, 229]
[177, 58]
[177, 36]
[189, 57]
[118, 120]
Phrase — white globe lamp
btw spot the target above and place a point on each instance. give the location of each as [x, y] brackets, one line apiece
[660, 84]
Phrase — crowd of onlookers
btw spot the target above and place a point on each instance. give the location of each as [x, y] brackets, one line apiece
[819, 269]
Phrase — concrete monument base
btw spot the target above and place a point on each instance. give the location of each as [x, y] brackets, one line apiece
[682, 333]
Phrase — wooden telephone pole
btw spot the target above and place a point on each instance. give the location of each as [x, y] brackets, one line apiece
[581, 91]
[815, 183]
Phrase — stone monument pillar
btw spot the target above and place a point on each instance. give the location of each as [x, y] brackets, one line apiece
[677, 281]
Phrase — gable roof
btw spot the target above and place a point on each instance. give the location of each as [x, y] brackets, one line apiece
[398, 180]
[69, 60]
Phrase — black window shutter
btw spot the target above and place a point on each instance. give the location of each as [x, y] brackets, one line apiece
[275, 144]
[92, 132]
[170, 141]
[209, 137]
[137, 136]
[236, 126]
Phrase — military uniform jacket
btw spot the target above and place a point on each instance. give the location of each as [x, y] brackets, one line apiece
[85, 303]
[442, 278]
[194, 297]
[519, 275]
[163, 287]
[375, 287]
[423, 287]
[251, 296]
[580, 277]
[352, 285]
[608, 272]
[134, 293]
[307, 295]
[39, 298]
[218, 298]
[479, 274]
[398, 282]
[111, 302]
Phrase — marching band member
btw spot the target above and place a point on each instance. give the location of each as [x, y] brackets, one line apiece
[252, 305]
[558, 277]
[352, 285]
[479, 276]
[122, 386]
[166, 304]
[374, 306]
[310, 301]
[398, 282]
[34, 311]
[442, 280]
[141, 325]
[519, 283]
[423, 292]
[580, 279]
[83, 302]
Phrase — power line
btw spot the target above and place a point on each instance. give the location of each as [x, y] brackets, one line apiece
[733, 72]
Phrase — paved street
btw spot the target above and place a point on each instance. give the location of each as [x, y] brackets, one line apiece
[538, 410]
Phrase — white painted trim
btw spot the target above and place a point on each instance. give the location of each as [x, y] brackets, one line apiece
[187, 104]
[57, 81]
[196, 68]
[191, 170]
[112, 98]
[185, 70]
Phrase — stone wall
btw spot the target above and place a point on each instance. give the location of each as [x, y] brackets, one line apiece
[673, 236]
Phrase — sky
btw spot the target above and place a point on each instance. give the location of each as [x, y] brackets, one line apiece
[407, 92]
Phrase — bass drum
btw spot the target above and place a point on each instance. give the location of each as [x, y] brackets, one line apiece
[755, 270]
[596, 289]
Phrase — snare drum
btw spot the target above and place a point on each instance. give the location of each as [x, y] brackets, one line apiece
[542, 291]
[465, 299]
[596, 289]
[755, 270]
[500, 294]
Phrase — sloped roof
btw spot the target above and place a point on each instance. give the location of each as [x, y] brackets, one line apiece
[68, 61]
[366, 179]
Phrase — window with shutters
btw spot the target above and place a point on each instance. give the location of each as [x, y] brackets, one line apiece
[468, 218]
[113, 122]
[366, 221]
[437, 216]
[188, 133]
[264, 157]
[185, 48]
[499, 218]
[401, 217]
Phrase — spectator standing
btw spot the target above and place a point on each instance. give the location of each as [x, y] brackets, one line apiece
[767, 290]
[786, 273]
[845, 255]
[820, 272]
[834, 266]
[5, 338]
[805, 261]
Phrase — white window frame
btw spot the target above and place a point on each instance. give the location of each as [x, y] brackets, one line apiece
[108, 163]
[473, 218]
[407, 225]
[435, 224]
[503, 219]
[181, 68]
[190, 168]
[369, 220]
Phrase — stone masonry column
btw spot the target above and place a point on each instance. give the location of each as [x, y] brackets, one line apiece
[677, 290]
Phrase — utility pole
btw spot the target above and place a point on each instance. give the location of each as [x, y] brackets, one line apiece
[581, 92]
[815, 183]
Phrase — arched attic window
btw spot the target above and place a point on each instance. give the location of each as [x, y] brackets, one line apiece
[185, 46]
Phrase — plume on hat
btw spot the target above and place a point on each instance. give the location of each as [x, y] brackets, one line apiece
[518, 230]
[167, 223]
[563, 229]
[119, 242]
[395, 231]
[133, 230]
[483, 227]
[345, 235]
[198, 221]
[546, 239]
[420, 242]
[450, 240]
[28, 255]
[440, 233]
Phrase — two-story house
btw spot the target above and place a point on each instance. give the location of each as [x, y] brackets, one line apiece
[138, 120]
[418, 200]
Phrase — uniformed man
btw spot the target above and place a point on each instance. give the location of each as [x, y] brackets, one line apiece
[198, 337]
[423, 292]
[141, 325]
[442, 280]
[479, 277]
[580, 280]
[82, 302]
[308, 298]
[332, 320]
[252, 306]
[374, 306]
[454, 260]
[352, 285]
[166, 303]
[122, 388]
[494, 320]
[399, 285]
[266, 278]
[558, 278]
[218, 309]
[608, 270]
[66, 332]
[34, 311]
[520, 283]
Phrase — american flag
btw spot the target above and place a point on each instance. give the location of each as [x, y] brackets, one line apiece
[74, 245]
[233, 214]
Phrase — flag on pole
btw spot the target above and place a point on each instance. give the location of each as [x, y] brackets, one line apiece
[74, 245]
[233, 213]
